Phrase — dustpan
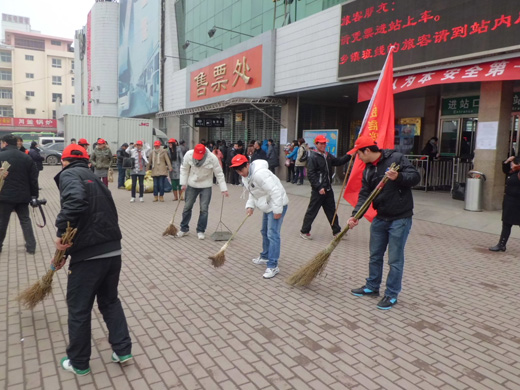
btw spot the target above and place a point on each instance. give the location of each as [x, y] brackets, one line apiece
[220, 234]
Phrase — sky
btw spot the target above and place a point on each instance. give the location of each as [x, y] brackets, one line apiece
[59, 18]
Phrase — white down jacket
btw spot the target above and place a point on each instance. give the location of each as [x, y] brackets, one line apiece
[201, 177]
[266, 192]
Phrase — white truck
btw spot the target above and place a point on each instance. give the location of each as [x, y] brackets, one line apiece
[114, 130]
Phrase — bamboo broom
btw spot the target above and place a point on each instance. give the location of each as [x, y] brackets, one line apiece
[3, 173]
[171, 230]
[33, 295]
[305, 275]
[219, 259]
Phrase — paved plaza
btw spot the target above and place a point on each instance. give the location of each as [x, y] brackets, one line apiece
[195, 327]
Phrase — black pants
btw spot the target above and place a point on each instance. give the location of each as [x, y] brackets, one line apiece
[141, 185]
[318, 201]
[87, 280]
[22, 210]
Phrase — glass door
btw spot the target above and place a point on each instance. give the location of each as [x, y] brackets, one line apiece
[467, 138]
[449, 136]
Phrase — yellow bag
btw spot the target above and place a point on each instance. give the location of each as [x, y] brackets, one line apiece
[148, 183]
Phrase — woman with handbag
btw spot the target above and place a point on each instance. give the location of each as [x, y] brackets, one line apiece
[160, 165]
[292, 160]
[175, 155]
[137, 173]
[510, 210]
[301, 161]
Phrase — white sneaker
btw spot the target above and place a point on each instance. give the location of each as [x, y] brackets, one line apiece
[271, 272]
[141, 200]
[260, 260]
[132, 200]
[181, 234]
[306, 236]
[201, 236]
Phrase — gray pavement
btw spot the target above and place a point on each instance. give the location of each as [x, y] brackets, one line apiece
[196, 327]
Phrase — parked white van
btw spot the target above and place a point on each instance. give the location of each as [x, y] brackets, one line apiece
[49, 140]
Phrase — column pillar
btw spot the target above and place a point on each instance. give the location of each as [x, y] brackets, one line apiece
[289, 120]
[496, 99]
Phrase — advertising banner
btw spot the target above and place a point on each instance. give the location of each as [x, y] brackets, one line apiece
[490, 71]
[29, 122]
[139, 43]
[330, 134]
[423, 32]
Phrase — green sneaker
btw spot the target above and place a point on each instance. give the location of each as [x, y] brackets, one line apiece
[67, 366]
[121, 359]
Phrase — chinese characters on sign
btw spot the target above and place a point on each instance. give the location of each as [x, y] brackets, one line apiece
[460, 105]
[234, 74]
[490, 71]
[28, 122]
[423, 33]
[209, 122]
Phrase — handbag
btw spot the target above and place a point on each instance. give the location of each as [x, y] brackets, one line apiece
[128, 163]
[110, 175]
[287, 162]
[304, 156]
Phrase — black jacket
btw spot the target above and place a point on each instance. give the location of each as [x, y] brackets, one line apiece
[34, 153]
[258, 154]
[22, 182]
[88, 205]
[319, 169]
[395, 201]
[121, 154]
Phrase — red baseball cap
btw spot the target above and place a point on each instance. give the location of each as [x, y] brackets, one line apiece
[67, 152]
[362, 142]
[172, 141]
[138, 142]
[101, 141]
[321, 139]
[238, 160]
[199, 151]
[157, 143]
[83, 141]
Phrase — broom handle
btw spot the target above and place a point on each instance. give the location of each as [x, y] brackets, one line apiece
[342, 188]
[175, 212]
[236, 231]
[66, 238]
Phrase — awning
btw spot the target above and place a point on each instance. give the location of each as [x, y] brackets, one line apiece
[222, 104]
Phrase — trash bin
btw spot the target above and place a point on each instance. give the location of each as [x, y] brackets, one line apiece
[474, 191]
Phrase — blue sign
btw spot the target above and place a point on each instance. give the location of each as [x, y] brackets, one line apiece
[330, 134]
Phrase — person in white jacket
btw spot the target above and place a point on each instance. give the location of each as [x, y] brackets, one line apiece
[196, 178]
[266, 193]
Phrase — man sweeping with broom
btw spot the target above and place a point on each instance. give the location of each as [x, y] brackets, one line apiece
[390, 227]
[95, 260]
[266, 193]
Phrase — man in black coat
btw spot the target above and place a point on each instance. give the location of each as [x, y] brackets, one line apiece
[391, 226]
[319, 173]
[121, 154]
[95, 260]
[20, 186]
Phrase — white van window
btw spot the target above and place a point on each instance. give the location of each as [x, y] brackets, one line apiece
[50, 140]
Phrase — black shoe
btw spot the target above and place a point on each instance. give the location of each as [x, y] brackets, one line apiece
[362, 291]
[386, 303]
[31, 252]
[498, 248]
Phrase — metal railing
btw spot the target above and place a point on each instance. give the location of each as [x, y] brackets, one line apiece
[441, 174]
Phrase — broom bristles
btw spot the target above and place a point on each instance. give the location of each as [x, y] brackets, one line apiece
[305, 275]
[31, 296]
[171, 230]
[219, 259]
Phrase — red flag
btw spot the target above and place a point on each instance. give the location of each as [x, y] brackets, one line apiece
[378, 123]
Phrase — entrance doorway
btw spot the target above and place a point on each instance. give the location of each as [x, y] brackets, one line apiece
[457, 138]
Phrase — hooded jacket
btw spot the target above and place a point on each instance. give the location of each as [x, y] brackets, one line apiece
[87, 204]
[266, 192]
[201, 177]
[395, 201]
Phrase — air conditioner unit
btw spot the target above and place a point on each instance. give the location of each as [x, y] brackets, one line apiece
[27, 98]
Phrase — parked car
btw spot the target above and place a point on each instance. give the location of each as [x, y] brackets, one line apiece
[52, 153]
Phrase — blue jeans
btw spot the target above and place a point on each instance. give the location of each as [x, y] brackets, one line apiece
[392, 234]
[299, 175]
[271, 238]
[121, 176]
[190, 196]
[158, 185]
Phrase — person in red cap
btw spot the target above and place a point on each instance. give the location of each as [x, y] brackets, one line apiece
[160, 165]
[175, 156]
[319, 173]
[95, 260]
[390, 228]
[83, 143]
[266, 193]
[197, 170]
[139, 156]
[121, 170]
[101, 160]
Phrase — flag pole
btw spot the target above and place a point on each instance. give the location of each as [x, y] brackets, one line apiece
[365, 118]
